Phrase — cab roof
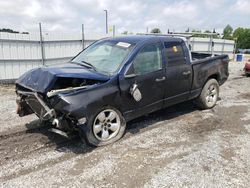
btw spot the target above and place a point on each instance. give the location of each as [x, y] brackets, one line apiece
[143, 38]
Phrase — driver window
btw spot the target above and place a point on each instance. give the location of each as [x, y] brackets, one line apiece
[148, 59]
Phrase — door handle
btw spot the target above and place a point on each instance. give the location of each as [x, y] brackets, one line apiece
[186, 73]
[160, 79]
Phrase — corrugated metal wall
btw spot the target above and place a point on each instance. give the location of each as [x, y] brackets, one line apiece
[22, 52]
[204, 45]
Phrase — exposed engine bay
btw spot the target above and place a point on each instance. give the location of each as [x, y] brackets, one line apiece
[64, 85]
[44, 105]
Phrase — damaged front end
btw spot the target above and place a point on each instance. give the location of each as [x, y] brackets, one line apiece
[45, 96]
[29, 102]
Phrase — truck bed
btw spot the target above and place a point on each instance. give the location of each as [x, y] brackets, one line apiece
[198, 56]
[203, 57]
[206, 66]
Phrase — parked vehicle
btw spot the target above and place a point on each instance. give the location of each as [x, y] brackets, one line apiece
[247, 69]
[116, 80]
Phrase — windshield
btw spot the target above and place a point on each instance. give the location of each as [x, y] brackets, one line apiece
[104, 56]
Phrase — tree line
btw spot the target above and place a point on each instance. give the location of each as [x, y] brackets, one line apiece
[11, 31]
[240, 35]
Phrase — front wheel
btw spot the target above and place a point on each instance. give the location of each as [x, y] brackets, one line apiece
[105, 127]
[209, 95]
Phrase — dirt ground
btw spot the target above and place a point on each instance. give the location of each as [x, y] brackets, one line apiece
[179, 146]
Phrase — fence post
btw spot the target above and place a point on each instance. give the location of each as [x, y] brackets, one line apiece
[5, 74]
[223, 46]
[212, 48]
[41, 43]
[113, 30]
[192, 47]
[83, 45]
[235, 46]
[209, 45]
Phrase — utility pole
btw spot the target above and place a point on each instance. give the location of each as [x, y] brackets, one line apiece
[106, 14]
[41, 43]
[83, 45]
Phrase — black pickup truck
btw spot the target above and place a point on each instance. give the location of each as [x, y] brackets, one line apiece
[116, 80]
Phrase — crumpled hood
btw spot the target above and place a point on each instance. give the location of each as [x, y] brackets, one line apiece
[42, 79]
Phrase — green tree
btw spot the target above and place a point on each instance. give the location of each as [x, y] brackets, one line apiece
[227, 32]
[242, 37]
[198, 33]
[8, 30]
[215, 35]
[155, 30]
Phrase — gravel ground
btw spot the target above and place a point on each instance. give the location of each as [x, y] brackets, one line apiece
[179, 146]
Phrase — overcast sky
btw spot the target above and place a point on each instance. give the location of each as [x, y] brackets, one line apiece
[127, 15]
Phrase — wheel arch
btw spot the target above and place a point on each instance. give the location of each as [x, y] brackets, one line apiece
[215, 76]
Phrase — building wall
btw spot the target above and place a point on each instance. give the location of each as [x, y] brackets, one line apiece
[21, 52]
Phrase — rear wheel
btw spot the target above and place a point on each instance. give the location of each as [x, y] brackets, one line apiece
[105, 127]
[209, 95]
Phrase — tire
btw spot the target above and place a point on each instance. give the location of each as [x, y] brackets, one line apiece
[104, 127]
[209, 95]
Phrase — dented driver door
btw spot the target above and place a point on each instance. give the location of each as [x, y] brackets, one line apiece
[143, 84]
